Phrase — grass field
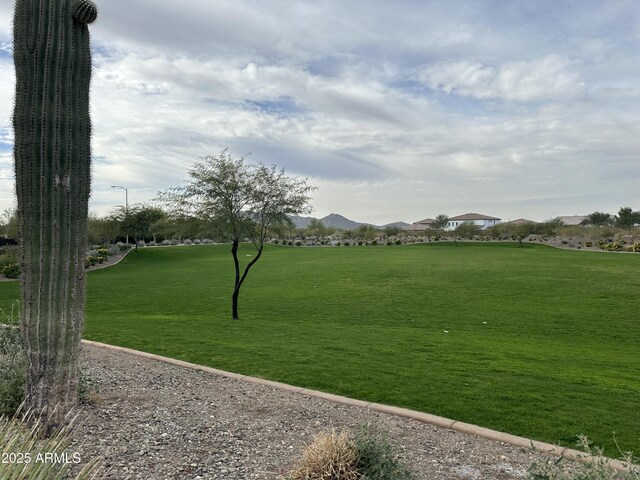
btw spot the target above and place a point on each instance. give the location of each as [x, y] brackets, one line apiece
[534, 341]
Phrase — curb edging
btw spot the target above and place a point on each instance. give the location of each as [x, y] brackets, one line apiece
[442, 422]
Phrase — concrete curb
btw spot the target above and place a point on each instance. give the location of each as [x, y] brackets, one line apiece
[101, 266]
[427, 418]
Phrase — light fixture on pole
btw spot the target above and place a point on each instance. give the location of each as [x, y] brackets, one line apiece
[126, 204]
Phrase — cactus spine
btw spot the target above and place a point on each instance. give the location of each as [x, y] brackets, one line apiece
[52, 164]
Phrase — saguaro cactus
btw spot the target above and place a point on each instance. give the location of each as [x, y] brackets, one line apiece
[52, 164]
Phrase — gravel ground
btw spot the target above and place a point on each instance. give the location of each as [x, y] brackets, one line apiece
[152, 420]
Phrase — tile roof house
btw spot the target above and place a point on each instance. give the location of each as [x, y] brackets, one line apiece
[519, 221]
[482, 221]
[420, 225]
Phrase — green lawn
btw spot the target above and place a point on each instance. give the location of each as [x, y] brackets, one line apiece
[534, 341]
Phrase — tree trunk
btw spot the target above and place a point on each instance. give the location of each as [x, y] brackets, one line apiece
[236, 285]
[52, 165]
[240, 280]
[234, 304]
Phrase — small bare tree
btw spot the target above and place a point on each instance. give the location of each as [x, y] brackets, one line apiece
[249, 199]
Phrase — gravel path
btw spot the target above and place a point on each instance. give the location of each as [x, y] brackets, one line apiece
[151, 420]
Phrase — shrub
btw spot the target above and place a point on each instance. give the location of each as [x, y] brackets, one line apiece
[103, 252]
[92, 260]
[188, 241]
[330, 456]
[595, 467]
[21, 438]
[12, 362]
[612, 246]
[398, 242]
[9, 255]
[346, 244]
[337, 244]
[197, 241]
[298, 243]
[365, 455]
[377, 458]
[87, 388]
[374, 242]
[174, 242]
[166, 242]
[11, 270]
[207, 241]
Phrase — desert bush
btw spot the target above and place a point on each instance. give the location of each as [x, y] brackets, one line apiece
[197, 241]
[12, 362]
[122, 246]
[87, 387]
[330, 456]
[298, 243]
[166, 242]
[24, 449]
[378, 459]
[11, 270]
[612, 246]
[91, 260]
[9, 255]
[365, 455]
[594, 467]
[188, 241]
[347, 244]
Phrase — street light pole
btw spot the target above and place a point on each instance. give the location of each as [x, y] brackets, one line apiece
[126, 204]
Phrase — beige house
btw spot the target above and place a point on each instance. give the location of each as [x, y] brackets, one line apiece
[482, 221]
[420, 226]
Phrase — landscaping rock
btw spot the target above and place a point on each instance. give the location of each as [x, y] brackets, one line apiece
[152, 420]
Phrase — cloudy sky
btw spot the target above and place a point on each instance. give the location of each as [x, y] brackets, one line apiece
[395, 110]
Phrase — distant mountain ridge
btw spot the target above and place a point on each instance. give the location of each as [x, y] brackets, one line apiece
[335, 220]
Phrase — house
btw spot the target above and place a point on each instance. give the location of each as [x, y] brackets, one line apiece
[420, 226]
[482, 221]
[518, 221]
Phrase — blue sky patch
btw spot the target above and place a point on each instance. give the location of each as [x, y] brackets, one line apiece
[282, 106]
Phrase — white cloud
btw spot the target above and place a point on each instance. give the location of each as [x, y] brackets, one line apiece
[395, 111]
[552, 77]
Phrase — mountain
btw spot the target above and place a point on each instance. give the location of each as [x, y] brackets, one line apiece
[301, 222]
[400, 225]
[335, 220]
